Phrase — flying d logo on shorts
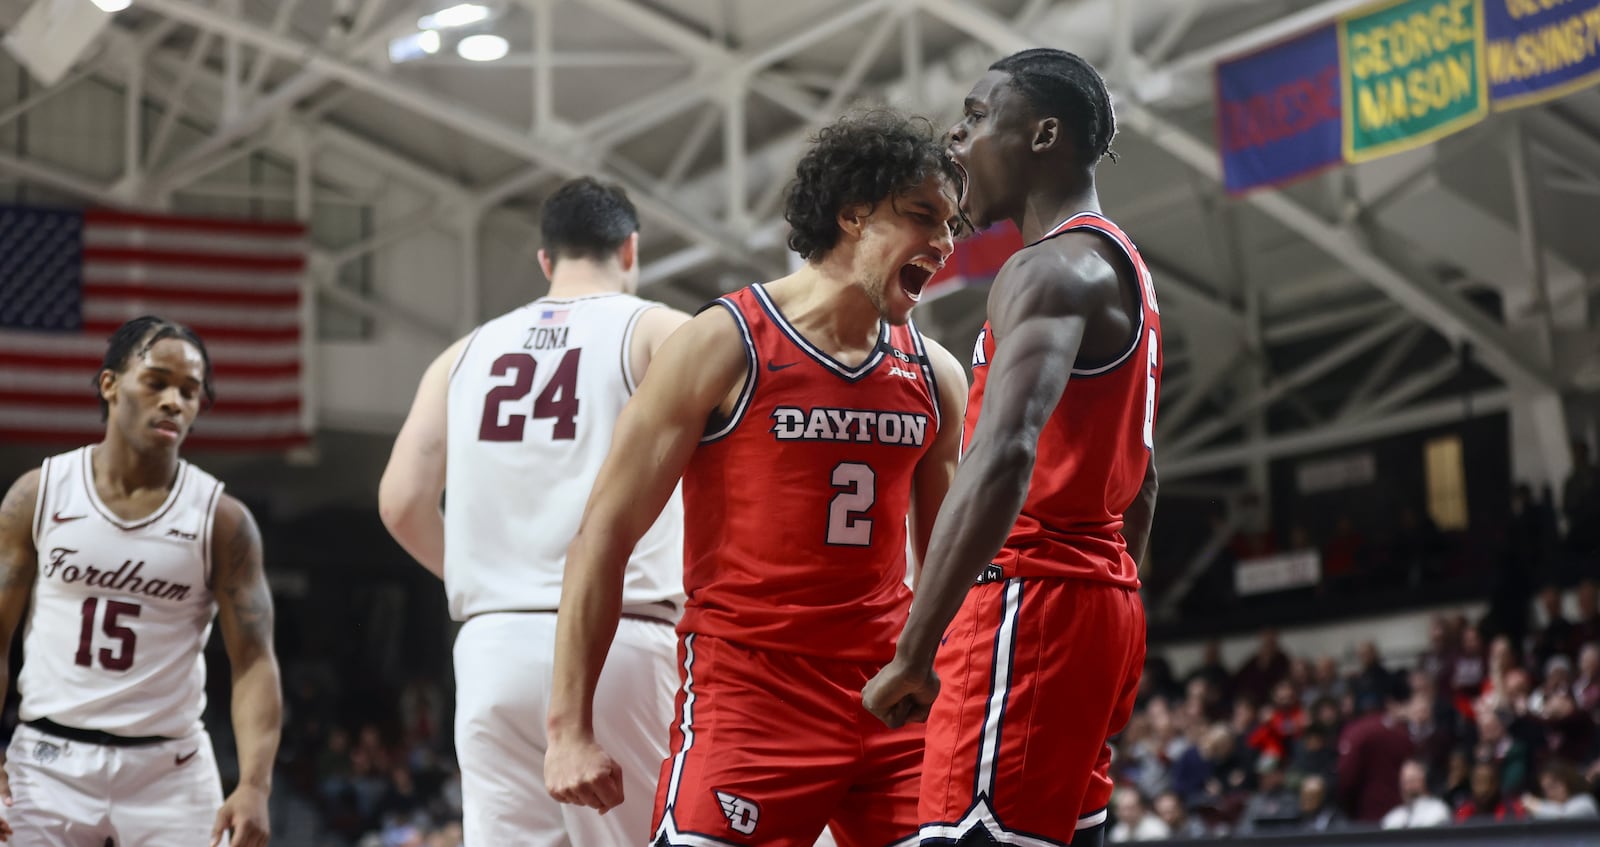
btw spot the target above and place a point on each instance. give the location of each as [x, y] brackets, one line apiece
[45, 752]
[742, 814]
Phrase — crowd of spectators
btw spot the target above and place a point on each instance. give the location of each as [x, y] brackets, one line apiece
[1480, 727]
[389, 779]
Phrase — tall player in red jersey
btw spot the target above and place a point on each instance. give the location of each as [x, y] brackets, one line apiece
[807, 419]
[1035, 553]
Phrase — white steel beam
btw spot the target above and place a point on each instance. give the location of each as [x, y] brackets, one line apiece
[1200, 61]
[843, 88]
[1306, 374]
[174, 104]
[488, 130]
[692, 146]
[1427, 299]
[719, 66]
[736, 197]
[507, 187]
[544, 91]
[911, 59]
[1355, 403]
[1338, 434]
[237, 124]
[1410, 388]
[133, 120]
[71, 183]
[1518, 160]
[263, 60]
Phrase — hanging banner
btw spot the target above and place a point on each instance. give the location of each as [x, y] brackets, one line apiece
[1539, 50]
[1413, 72]
[1278, 111]
[975, 261]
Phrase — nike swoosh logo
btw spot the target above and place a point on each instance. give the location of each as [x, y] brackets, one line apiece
[60, 518]
[179, 760]
[774, 366]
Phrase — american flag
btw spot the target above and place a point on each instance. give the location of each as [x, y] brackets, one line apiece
[69, 278]
[552, 317]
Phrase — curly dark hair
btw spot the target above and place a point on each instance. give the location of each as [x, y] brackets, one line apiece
[1063, 85]
[865, 157]
[135, 338]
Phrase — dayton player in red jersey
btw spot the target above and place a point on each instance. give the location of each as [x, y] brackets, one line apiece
[1051, 508]
[807, 418]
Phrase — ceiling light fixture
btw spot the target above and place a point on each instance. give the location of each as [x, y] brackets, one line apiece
[461, 14]
[113, 5]
[482, 48]
[414, 46]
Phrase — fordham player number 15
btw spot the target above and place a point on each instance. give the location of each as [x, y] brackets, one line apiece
[120, 660]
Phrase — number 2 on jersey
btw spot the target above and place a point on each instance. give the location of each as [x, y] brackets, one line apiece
[558, 400]
[857, 487]
[122, 659]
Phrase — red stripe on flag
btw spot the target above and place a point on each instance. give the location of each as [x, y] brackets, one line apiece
[87, 399]
[195, 259]
[191, 296]
[213, 333]
[241, 227]
[90, 365]
[193, 442]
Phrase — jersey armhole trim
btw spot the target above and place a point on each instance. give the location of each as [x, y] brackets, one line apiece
[1138, 296]
[206, 534]
[630, 381]
[462, 356]
[742, 405]
[927, 369]
[41, 502]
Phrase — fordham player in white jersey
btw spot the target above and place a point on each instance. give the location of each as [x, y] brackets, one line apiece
[514, 421]
[127, 552]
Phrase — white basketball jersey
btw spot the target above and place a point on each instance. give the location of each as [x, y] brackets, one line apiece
[534, 399]
[121, 609]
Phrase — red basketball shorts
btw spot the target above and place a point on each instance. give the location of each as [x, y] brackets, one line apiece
[1036, 675]
[770, 747]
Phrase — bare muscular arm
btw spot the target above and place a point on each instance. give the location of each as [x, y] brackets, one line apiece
[413, 482]
[938, 467]
[19, 563]
[692, 376]
[19, 566]
[1038, 311]
[244, 614]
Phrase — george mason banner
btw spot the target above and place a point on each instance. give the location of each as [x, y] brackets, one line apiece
[1406, 73]
[1413, 72]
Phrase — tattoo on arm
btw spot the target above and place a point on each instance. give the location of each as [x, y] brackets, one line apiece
[246, 601]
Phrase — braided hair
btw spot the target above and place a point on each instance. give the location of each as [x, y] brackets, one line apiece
[136, 337]
[1062, 85]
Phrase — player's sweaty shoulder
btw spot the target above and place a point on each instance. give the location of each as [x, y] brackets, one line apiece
[655, 325]
[704, 360]
[1068, 273]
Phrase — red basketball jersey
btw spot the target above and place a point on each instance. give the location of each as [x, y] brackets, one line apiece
[1094, 450]
[796, 537]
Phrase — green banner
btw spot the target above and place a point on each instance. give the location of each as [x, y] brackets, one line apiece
[1413, 72]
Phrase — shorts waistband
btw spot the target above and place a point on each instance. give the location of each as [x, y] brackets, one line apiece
[662, 613]
[93, 736]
